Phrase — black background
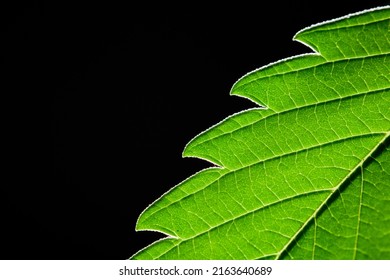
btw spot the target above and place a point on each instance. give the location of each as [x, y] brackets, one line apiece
[101, 99]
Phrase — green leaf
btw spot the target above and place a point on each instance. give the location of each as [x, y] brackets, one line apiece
[306, 174]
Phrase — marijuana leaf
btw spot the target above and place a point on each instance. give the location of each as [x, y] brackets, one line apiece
[307, 176]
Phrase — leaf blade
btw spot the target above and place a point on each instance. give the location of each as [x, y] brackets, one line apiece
[280, 167]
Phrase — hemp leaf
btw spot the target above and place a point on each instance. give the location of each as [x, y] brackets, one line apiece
[306, 174]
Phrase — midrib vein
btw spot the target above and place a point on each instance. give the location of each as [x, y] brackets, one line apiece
[241, 216]
[262, 161]
[359, 165]
[307, 222]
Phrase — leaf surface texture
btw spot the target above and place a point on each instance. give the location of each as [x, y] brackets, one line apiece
[306, 173]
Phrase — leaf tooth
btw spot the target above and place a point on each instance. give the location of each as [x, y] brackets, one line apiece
[355, 35]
